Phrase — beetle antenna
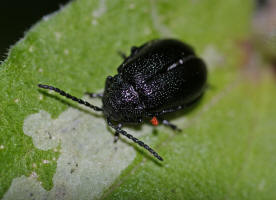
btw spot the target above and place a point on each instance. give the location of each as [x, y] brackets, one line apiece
[134, 139]
[69, 96]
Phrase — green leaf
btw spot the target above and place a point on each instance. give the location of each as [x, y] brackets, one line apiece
[53, 148]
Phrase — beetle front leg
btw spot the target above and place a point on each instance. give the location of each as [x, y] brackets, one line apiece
[117, 134]
[116, 137]
[94, 95]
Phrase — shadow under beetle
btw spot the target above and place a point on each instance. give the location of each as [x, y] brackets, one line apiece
[159, 77]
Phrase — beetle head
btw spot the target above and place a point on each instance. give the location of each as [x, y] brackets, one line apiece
[121, 102]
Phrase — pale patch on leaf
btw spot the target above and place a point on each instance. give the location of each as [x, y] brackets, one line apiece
[89, 161]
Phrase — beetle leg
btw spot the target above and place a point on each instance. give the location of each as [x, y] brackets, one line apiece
[167, 123]
[166, 111]
[134, 139]
[94, 95]
[172, 110]
[122, 55]
[116, 135]
[134, 50]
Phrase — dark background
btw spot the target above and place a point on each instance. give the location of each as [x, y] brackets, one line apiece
[17, 16]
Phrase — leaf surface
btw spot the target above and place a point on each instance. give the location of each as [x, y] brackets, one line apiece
[51, 147]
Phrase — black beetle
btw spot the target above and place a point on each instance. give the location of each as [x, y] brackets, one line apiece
[159, 77]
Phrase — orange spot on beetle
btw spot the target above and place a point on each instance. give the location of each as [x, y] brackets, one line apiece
[154, 121]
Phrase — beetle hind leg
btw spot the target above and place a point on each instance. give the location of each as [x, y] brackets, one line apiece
[172, 126]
